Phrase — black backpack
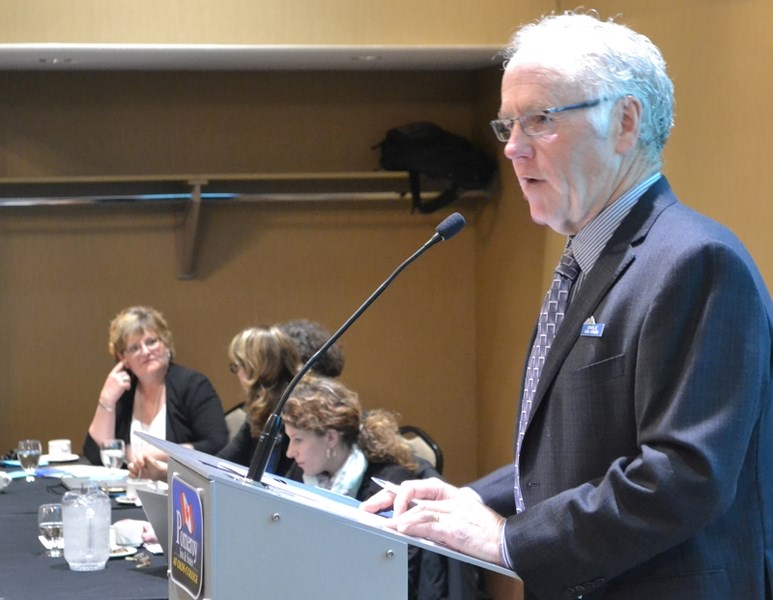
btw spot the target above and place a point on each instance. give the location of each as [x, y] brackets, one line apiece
[423, 148]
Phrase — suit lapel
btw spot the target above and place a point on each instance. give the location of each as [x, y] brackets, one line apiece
[616, 257]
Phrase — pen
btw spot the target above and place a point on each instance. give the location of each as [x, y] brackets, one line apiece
[391, 487]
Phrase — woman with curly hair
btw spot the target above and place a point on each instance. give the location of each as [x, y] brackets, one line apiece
[337, 446]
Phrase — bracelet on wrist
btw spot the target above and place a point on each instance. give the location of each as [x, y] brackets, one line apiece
[106, 407]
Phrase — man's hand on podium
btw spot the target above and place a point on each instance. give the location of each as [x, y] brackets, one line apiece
[443, 513]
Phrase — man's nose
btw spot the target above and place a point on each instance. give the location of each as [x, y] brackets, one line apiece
[519, 146]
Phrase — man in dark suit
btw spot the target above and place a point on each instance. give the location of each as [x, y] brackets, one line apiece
[644, 451]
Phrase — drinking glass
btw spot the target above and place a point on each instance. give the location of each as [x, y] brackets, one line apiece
[51, 528]
[28, 453]
[112, 453]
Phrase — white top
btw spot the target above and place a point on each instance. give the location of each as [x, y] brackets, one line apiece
[156, 428]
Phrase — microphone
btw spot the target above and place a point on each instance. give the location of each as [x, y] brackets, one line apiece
[447, 229]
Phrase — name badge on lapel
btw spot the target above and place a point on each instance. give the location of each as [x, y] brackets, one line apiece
[592, 329]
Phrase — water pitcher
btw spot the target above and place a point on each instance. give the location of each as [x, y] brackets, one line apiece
[86, 520]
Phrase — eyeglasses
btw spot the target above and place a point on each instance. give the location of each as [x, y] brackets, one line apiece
[149, 344]
[233, 367]
[537, 122]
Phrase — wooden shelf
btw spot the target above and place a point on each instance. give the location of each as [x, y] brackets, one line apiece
[191, 191]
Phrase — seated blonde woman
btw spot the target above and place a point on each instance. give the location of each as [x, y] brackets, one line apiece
[147, 391]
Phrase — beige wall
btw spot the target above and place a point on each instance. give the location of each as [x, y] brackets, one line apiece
[719, 54]
[445, 343]
[76, 124]
[70, 269]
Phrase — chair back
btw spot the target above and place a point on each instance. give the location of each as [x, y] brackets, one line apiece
[423, 446]
[234, 419]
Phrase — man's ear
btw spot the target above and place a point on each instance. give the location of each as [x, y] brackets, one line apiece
[628, 124]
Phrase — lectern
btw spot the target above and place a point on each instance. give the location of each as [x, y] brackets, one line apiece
[230, 537]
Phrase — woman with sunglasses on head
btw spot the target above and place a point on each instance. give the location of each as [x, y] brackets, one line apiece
[265, 360]
[147, 391]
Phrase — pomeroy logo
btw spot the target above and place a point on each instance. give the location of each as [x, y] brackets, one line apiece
[186, 510]
[187, 548]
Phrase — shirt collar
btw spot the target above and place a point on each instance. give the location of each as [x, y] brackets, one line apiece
[588, 243]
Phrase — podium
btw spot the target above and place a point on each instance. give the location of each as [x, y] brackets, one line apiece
[231, 537]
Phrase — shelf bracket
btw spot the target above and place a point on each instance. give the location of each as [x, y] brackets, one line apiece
[186, 233]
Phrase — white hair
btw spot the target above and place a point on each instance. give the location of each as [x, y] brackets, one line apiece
[606, 60]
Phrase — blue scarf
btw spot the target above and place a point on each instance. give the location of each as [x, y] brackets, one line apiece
[347, 480]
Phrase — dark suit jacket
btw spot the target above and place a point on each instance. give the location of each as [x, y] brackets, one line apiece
[647, 468]
[194, 414]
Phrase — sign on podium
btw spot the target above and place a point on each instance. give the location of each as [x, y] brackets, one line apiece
[231, 537]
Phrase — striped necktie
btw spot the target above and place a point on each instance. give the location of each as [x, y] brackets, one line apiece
[551, 315]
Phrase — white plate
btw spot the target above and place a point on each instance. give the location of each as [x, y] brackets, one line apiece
[60, 458]
[128, 501]
[122, 551]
